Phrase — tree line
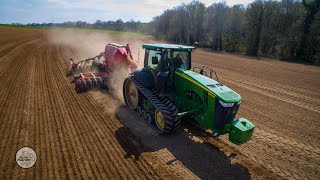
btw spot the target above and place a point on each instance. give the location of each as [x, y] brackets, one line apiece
[287, 29]
[118, 25]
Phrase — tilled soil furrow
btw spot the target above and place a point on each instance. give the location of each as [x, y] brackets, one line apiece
[82, 106]
[52, 134]
[75, 136]
[29, 138]
[74, 112]
[10, 75]
[75, 109]
[8, 88]
[32, 116]
[72, 127]
[45, 112]
[276, 158]
[38, 119]
[278, 97]
[44, 152]
[111, 135]
[101, 110]
[11, 44]
[269, 89]
[288, 144]
[16, 106]
[246, 75]
[104, 132]
[67, 160]
[8, 62]
[72, 149]
[8, 123]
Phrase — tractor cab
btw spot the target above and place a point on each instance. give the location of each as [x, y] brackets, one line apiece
[163, 59]
[168, 55]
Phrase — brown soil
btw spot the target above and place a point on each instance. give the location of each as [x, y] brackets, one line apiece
[93, 135]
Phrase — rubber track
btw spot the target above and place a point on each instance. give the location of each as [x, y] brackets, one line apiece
[166, 107]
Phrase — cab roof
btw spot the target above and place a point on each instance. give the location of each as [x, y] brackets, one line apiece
[168, 46]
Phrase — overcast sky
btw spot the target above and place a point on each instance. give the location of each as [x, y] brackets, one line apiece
[39, 11]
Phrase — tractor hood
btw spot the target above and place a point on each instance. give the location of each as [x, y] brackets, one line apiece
[213, 87]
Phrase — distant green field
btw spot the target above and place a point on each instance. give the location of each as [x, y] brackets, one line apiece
[80, 29]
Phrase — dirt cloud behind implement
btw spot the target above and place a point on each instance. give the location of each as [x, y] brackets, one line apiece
[89, 43]
[85, 44]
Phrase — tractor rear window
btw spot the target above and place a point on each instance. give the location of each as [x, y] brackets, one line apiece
[151, 54]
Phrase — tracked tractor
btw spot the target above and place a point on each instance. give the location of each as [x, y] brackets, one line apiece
[168, 89]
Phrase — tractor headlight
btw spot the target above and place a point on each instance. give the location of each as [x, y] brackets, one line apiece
[223, 104]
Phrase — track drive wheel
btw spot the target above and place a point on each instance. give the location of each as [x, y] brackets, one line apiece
[166, 120]
[131, 94]
[159, 119]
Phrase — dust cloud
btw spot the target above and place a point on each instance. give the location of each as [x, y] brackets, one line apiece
[83, 44]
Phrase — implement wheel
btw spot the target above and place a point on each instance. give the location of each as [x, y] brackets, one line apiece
[131, 94]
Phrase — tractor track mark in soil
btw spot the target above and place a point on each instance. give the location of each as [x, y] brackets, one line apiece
[245, 77]
[283, 155]
[175, 165]
[160, 157]
[163, 156]
[256, 164]
[287, 144]
[273, 89]
[278, 97]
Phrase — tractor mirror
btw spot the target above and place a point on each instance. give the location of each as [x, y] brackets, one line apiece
[155, 60]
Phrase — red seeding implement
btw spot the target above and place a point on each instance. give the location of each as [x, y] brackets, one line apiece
[94, 72]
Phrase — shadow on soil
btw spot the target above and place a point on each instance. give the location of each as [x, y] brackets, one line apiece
[203, 159]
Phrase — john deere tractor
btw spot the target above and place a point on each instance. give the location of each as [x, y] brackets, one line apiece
[168, 90]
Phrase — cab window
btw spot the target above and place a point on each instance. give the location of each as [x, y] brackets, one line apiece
[151, 54]
[185, 56]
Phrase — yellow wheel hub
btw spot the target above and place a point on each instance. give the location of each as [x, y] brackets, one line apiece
[159, 119]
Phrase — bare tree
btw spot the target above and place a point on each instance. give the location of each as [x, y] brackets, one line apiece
[216, 24]
[254, 22]
[234, 38]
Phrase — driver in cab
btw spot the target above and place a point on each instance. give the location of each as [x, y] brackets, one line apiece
[177, 61]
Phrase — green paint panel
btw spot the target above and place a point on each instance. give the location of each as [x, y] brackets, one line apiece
[224, 93]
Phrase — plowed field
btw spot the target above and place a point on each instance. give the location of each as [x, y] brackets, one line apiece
[93, 135]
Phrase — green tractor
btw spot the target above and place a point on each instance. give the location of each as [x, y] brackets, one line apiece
[168, 90]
